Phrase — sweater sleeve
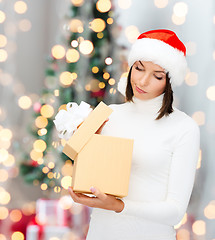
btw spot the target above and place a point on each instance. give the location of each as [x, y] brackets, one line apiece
[180, 184]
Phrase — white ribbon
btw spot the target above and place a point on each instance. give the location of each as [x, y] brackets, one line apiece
[66, 122]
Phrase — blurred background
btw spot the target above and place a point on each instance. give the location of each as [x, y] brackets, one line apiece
[53, 52]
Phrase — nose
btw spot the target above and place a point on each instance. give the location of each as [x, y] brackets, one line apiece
[144, 81]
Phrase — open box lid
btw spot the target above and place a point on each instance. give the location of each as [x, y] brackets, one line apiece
[83, 134]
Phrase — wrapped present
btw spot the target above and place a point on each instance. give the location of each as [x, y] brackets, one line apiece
[40, 232]
[100, 161]
[50, 213]
[76, 226]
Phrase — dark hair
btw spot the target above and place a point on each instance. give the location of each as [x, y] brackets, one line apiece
[166, 107]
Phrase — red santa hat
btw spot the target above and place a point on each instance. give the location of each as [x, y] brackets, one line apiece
[161, 47]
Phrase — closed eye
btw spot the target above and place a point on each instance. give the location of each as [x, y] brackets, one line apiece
[139, 69]
[159, 78]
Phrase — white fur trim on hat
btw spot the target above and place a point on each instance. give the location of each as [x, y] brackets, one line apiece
[162, 54]
[122, 84]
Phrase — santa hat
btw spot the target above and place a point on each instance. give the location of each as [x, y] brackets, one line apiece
[161, 47]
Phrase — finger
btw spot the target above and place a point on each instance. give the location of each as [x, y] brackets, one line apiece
[80, 198]
[102, 196]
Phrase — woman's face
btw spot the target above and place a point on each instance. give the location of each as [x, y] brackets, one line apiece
[148, 80]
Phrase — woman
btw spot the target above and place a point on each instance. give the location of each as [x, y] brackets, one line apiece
[166, 147]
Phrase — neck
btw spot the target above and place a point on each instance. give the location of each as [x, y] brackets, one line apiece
[149, 106]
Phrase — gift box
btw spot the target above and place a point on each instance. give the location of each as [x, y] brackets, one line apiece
[50, 212]
[38, 232]
[100, 161]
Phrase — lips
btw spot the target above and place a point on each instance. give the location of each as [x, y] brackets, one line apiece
[140, 90]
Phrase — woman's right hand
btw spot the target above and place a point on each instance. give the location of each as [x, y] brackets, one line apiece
[100, 129]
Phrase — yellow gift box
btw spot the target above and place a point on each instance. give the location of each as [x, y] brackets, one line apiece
[100, 161]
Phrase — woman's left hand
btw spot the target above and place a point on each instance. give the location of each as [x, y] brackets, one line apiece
[101, 200]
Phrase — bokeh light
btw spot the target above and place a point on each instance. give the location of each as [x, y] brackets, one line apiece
[211, 93]
[132, 32]
[180, 9]
[74, 43]
[15, 215]
[106, 75]
[3, 155]
[199, 227]
[190, 48]
[178, 20]
[124, 4]
[6, 134]
[45, 169]
[9, 161]
[41, 122]
[51, 165]
[161, 3]
[199, 117]
[17, 236]
[111, 81]
[44, 186]
[58, 51]
[25, 25]
[108, 60]
[57, 189]
[183, 234]
[103, 5]
[36, 155]
[6, 79]
[191, 78]
[4, 197]
[77, 3]
[95, 69]
[66, 78]
[98, 25]
[110, 21]
[42, 132]
[112, 91]
[76, 25]
[66, 182]
[101, 85]
[24, 102]
[209, 210]
[20, 7]
[3, 55]
[2, 237]
[2, 16]
[39, 145]
[3, 175]
[86, 47]
[3, 40]
[47, 111]
[72, 55]
[100, 35]
[3, 213]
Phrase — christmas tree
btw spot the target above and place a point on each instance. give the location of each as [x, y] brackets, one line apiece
[80, 68]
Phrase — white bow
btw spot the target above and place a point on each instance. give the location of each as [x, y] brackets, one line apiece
[66, 122]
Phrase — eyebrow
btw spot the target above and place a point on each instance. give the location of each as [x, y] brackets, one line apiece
[154, 71]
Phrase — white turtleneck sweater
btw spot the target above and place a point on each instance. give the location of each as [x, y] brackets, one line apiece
[163, 168]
